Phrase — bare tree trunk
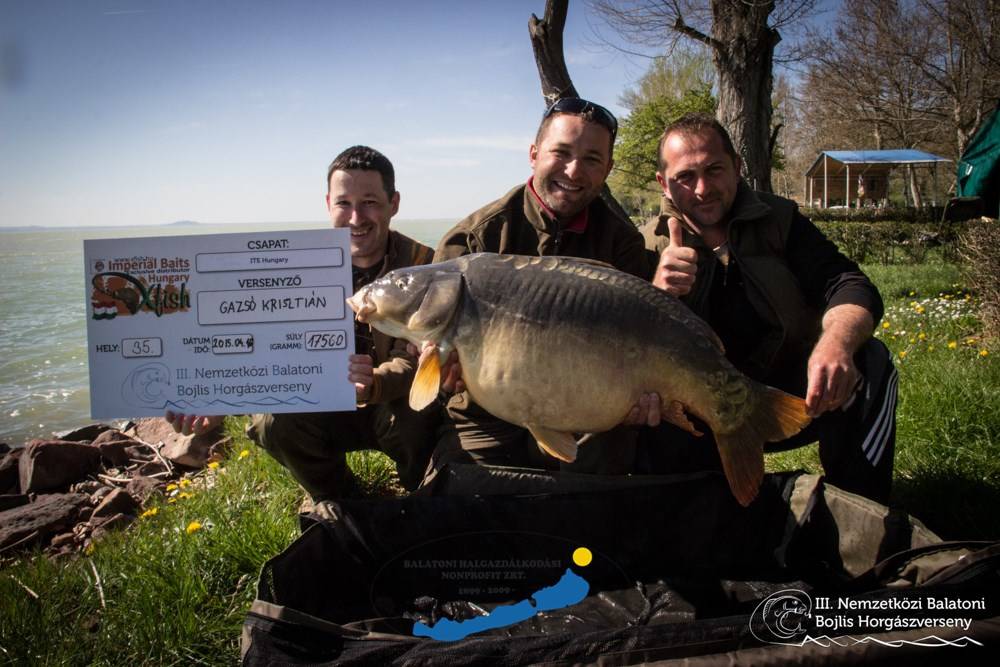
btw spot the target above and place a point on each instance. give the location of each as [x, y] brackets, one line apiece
[743, 52]
[547, 43]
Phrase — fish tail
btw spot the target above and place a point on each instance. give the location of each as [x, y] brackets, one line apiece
[777, 416]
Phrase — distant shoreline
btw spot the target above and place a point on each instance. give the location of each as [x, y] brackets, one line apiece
[192, 223]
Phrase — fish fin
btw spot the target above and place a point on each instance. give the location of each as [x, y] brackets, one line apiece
[777, 416]
[673, 412]
[555, 443]
[426, 383]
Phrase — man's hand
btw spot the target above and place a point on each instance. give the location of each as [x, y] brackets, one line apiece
[188, 424]
[832, 376]
[678, 265]
[361, 371]
[645, 412]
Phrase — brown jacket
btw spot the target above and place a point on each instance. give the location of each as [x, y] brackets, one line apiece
[395, 367]
[517, 224]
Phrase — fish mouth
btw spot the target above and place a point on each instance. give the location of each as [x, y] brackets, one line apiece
[361, 305]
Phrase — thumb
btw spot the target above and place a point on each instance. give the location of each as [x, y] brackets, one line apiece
[676, 230]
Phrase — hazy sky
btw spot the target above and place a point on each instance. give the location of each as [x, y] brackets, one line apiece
[128, 112]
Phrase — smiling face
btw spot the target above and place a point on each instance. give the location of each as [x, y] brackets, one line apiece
[570, 163]
[699, 176]
[358, 201]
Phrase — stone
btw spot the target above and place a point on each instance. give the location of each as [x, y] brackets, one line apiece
[47, 465]
[4, 448]
[192, 451]
[33, 523]
[114, 447]
[65, 539]
[140, 453]
[142, 488]
[117, 502]
[106, 525]
[10, 476]
[12, 500]
[151, 468]
[88, 433]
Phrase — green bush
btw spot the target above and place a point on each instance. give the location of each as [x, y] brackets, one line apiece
[893, 241]
[977, 246]
[928, 214]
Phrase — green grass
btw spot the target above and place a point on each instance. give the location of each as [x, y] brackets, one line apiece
[173, 597]
[947, 469]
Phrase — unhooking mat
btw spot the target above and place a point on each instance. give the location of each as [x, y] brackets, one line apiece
[672, 569]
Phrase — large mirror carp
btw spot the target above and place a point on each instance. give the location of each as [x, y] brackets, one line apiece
[561, 345]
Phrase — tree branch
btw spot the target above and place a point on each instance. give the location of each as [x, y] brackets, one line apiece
[547, 43]
[697, 35]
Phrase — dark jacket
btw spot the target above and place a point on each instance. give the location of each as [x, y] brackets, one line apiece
[395, 368]
[791, 275]
[517, 224]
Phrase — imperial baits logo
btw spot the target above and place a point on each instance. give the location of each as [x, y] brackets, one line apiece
[782, 618]
[126, 286]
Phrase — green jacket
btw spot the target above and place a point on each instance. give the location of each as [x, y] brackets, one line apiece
[517, 224]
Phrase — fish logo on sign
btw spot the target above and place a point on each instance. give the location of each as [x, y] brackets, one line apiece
[782, 617]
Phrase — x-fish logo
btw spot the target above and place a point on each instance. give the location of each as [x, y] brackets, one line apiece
[783, 617]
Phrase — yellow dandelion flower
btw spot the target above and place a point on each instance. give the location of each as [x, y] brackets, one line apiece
[922, 335]
[171, 487]
[913, 340]
[152, 511]
[952, 345]
[913, 304]
[171, 501]
[930, 348]
[213, 465]
[244, 453]
[920, 310]
[912, 293]
[184, 495]
[886, 325]
[902, 354]
[185, 483]
[970, 341]
[984, 353]
[193, 527]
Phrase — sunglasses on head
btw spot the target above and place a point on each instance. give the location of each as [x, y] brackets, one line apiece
[594, 112]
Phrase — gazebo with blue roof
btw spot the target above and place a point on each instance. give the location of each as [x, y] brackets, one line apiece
[858, 177]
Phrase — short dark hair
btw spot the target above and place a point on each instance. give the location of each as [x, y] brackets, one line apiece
[365, 159]
[589, 111]
[696, 123]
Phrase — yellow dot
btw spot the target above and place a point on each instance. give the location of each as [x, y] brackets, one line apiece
[582, 556]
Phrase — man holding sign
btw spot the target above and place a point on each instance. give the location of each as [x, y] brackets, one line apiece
[789, 308]
[361, 196]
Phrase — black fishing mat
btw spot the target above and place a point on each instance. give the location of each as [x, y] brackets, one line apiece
[807, 574]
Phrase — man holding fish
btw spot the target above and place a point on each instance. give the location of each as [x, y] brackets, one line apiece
[790, 309]
[559, 211]
[361, 196]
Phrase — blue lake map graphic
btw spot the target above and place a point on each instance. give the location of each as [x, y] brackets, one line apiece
[570, 589]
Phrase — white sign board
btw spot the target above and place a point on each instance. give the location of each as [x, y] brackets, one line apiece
[219, 324]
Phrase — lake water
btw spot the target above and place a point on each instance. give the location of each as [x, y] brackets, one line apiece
[44, 385]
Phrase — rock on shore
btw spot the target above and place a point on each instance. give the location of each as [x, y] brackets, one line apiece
[64, 493]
